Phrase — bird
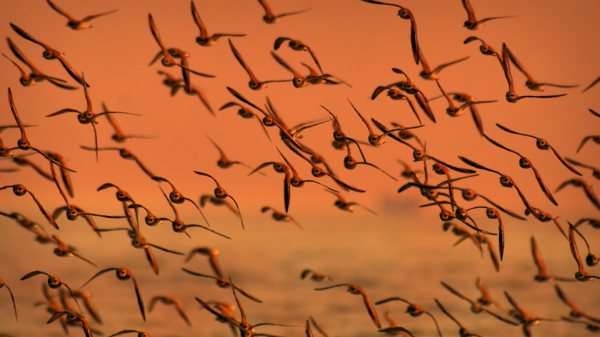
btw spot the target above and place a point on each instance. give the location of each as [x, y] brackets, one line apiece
[27, 80]
[244, 327]
[405, 14]
[410, 88]
[491, 249]
[125, 154]
[279, 216]
[139, 333]
[271, 120]
[205, 39]
[315, 276]
[357, 290]
[63, 250]
[472, 23]
[542, 144]
[315, 78]
[542, 275]
[193, 91]
[223, 283]
[223, 161]
[407, 171]
[173, 301]
[179, 226]
[124, 274]
[465, 98]
[213, 258]
[595, 139]
[434, 74]
[526, 163]
[73, 211]
[51, 54]
[344, 205]
[589, 326]
[462, 233]
[52, 305]
[546, 217]
[224, 313]
[119, 136]
[246, 114]
[121, 194]
[298, 81]
[221, 193]
[73, 317]
[511, 94]
[271, 18]
[470, 195]
[167, 54]
[595, 171]
[41, 235]
[89, 305]
[296, 180]
[36, 75]
[351, 163]
[150, 219]
[255, 83]
[53, 281]
[206, 198]
[375, 139]
[582, 275]
[172, 82]
[531, 83]
[339, 137]
[140, 242]
[314, 323]
[477, 307]
[88, 116]
[486, 298]
[485, 48]
[589, 192]
[298, 46]
[64, 172]
[595, 223]
[20, 190]
[23, 143]
[454, 111]
[394, 329]
[463, 332]
[280, 168]
[575, 311]
[318, 172]
[414, 310]
[526, 319]
[177, 197]
[4, 150]
[12, 297]
[74, 23]
[397, 95]
[492, 213]
[508, 182]
[591, 84]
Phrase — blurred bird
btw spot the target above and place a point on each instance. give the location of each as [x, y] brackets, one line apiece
[74, 23]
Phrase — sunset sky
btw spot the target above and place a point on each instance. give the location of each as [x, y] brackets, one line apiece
[354, 41]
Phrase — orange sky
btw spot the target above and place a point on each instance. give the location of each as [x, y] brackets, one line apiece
[355, 41]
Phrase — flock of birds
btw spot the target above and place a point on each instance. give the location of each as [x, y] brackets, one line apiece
[292, 148]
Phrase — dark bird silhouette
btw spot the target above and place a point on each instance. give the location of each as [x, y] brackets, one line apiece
[357, 290]
[124, 274]
[74, 23]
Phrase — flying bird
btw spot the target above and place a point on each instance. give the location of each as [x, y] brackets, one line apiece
[74, 23]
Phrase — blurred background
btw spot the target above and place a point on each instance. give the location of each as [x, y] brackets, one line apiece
[400, 251]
